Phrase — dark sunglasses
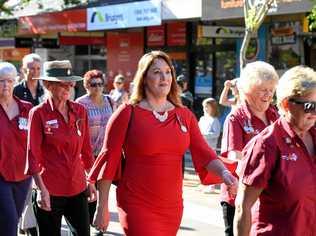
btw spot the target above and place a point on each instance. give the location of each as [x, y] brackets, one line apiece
[94, 85]
[309, 107]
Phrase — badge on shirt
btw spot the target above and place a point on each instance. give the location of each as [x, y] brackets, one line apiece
[49, 125]
[22, 123]
[52, 123]
[290, 157]
[248, 127]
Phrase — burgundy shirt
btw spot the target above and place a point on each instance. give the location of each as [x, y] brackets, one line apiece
[13, 136]
[240, 126]
[278, 162]
[61, 150]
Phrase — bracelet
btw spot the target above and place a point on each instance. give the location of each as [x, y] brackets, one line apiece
[225, 171]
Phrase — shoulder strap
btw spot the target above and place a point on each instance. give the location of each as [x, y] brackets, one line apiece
[110, 101]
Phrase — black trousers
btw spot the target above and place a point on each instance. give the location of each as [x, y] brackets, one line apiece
[228, 215]
[74, 209]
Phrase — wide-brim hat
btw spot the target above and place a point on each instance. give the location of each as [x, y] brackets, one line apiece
[59, 71]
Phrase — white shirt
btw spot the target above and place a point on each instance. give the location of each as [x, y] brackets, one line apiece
[210, 128]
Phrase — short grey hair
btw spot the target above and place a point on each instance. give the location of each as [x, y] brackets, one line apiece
[254, 72]
[30, 58]
[8, 69]
[296, 82]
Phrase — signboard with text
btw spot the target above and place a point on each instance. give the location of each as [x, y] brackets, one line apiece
[66, 21]
[135, 14]
[156, 36]
[176, 34]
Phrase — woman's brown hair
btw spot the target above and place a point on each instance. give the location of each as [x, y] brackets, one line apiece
[144, 63]
[92, 74]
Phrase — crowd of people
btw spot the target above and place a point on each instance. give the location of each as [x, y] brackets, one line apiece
[60, 157]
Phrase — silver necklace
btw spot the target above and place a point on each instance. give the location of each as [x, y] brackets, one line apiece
[161, 118]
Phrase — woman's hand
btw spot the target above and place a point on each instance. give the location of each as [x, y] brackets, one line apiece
[43, 199]
[231, 182]
[92, 193]
[101, 219]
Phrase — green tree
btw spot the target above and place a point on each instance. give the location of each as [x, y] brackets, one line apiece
[312, 17]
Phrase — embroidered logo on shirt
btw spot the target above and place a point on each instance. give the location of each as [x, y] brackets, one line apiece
[290, 157]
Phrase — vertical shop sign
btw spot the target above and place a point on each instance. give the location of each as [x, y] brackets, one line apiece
[124, 51]
[176, 34]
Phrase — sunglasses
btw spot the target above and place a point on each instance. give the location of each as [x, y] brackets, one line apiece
[94, 85]
[309, 107]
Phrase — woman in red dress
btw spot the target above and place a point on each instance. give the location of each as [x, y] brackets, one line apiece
[154, 131]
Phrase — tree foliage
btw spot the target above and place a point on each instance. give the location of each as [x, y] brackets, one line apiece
[312, 18]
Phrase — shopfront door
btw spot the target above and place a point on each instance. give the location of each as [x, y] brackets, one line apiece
[212, 68]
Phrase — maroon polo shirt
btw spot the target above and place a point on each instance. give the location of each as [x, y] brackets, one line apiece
[13, 136]
[278, 162]
[240, 126]
[60, 150]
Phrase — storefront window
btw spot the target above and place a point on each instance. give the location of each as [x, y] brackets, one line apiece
[284, 45]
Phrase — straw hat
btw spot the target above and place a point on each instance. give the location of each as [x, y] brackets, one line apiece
[59, 71]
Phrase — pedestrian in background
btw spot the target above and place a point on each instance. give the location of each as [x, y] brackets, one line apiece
[14, 184]
[224, 100]
[278, 169]
[258, 81]
[59, 153]
[209, 124]
[99, 108]
[149, 193]
[185, 94]
[30, 88]
[210, 128]
[118, 94]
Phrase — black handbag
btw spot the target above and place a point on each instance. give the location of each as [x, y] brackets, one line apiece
[123, 158]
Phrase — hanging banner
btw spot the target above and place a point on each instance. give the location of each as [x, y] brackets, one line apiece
[176, 34]
[124, 49]
[155, 36]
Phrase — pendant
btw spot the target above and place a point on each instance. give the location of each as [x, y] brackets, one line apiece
[161, 118]
[184, 129]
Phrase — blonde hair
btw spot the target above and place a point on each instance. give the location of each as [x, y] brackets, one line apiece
[211, 102]
[296, 82]
[143, 65]
[255, 72]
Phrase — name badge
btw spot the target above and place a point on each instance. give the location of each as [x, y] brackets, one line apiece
[22, 123]
[52, 123]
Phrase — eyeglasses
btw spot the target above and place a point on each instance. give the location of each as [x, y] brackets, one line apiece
[94, 85]
[118, 82]
[309, 107]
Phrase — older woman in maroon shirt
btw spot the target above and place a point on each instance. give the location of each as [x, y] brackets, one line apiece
[279, 168]
[59, 153]
[257, 84]
[14, 184]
